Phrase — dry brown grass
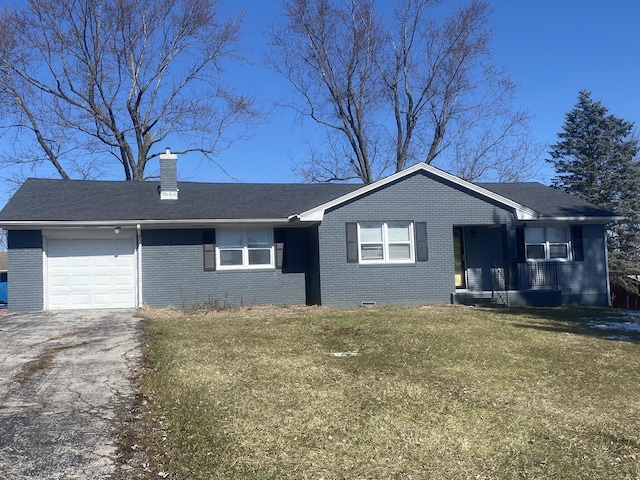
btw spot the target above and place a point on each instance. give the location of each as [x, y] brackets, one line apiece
[437, 392]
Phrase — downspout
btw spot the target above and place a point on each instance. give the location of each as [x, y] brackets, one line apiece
[606, 267]
[45, 276]
[139, 263]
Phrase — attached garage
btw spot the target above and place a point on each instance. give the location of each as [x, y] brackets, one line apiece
[90, 273]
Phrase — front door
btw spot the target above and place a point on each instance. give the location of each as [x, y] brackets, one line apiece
[458, 257]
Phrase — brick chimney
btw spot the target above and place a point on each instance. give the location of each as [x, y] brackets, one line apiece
[168, 176]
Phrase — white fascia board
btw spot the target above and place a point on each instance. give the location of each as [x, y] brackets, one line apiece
[184, 223]
[581, 219]
[522, 212]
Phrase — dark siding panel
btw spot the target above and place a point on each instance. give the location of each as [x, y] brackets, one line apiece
[520, 244]
[312, 278]
[577, 243]
[20, 239]
[280, 235]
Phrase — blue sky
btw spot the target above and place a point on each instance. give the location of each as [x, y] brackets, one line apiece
[551, 48]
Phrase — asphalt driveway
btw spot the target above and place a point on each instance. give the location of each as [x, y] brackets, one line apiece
[65, 384]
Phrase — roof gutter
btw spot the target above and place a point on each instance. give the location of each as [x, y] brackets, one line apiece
[193, 222]
[580, 219]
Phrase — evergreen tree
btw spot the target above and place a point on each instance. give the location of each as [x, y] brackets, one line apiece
[596, 159]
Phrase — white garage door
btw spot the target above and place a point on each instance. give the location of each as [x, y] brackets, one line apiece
[91, 273]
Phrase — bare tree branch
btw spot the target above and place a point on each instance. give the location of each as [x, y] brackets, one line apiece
[327, 53]
[394, 92]
[118, 77]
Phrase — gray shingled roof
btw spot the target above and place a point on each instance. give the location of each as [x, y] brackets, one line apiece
[47, 200]
[550, 202]
[78, 200]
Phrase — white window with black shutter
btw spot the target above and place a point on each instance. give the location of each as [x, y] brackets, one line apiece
[386, 242]
[551, 243]
[241, 249]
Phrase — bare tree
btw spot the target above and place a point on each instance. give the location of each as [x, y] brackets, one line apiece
[496, 146]
[396, 92]
[98, 81]
[328, 55]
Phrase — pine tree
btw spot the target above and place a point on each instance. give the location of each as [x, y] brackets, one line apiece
[596, 159]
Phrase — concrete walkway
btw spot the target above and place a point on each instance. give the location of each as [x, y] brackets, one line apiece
[65, 383]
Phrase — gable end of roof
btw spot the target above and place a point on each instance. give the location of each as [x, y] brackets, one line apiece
[522, 212]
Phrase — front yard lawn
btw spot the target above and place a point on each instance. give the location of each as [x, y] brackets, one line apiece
[391, 393]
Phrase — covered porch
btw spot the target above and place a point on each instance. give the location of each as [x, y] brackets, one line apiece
[490, 270]
[517, 285]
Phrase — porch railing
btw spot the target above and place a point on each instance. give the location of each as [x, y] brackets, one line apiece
[524, 276]
[499, 284]
[538, 275]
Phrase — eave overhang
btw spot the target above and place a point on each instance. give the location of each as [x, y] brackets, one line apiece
[522, 213]
[576, 219]
[169, 224]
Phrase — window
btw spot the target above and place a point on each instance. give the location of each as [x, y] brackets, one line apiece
[385, 242]
[547, 243]
[244, 249]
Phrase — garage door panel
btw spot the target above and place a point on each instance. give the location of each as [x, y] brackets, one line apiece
[80, 300]
[123, 261]
[102, 280]
[101, 301]
[122, 281]
[102, 262]
[91, 273]
[77, 262]
[79, 281]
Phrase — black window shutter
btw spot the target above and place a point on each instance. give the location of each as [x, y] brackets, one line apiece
[279, 255]
[520, 244]
[279, 236]
[352, 242]
[422, 247]
[577, 243]
[209, 250]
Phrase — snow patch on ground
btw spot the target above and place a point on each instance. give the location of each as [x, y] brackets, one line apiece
[620, 321]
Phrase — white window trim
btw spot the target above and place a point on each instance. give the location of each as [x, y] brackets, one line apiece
[245, 252]
[547, 244]
[385, 244]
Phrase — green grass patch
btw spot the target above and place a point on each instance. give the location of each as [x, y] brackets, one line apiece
[384, 393]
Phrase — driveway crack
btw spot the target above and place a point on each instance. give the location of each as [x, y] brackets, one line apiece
[42, 362]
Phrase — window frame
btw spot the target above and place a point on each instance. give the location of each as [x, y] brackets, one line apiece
[547, 244]
[245, 249]
[385, 242]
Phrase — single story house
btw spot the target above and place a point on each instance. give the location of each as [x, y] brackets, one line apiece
[420, 236]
